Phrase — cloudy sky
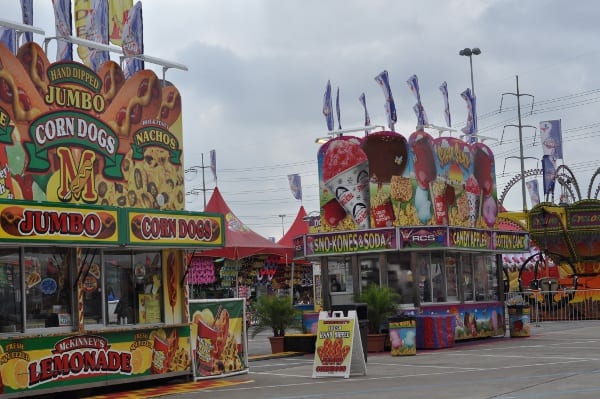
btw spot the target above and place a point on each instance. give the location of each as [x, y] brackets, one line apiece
[258, 70]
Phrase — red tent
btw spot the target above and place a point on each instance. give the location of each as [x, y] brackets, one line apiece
[298, 228]
[240, 241]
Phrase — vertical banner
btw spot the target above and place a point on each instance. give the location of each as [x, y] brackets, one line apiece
[337, 108]
[218, 337]
[549, 173]
[91, 23]
[444, 90]
[551, 133]
[534, 191]
[363, 101]
[172, 262]
[9, 38]
[413, 84]
[295, 186]
[27, 10]
[390, 107]
[133, 40]
[328, 107]
[213, 164]
[117, 14]
[64, 27]
[471, 128]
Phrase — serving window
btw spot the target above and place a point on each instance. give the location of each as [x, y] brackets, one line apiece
[432, 277]
[11, 317]
[48, 287]
[340, 275]
[400, 276]
[133, 287]
[484, 278]
[38, 288]
[450, 264]
[369, 271]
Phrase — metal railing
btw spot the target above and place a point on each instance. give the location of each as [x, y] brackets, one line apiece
[559, 305]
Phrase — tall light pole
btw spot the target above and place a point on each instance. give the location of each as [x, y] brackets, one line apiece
[470, 52]
[282, 226]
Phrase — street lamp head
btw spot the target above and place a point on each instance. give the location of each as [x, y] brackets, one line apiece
[470, 51]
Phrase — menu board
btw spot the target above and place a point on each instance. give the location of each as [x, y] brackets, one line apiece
[338, 349]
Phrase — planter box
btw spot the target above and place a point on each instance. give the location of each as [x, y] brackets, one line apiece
[304, 343]
[376, 342]
[277, 344]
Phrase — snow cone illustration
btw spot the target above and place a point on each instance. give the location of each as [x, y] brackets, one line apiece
[346, 175]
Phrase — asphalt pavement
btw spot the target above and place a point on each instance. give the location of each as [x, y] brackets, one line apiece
[559, 360]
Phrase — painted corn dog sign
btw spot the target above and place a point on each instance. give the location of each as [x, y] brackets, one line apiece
[175, 228]
[385, 180]
[45, 362]
[218, 334]
[70, 135]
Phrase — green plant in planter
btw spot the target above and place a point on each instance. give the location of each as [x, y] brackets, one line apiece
[276, 313]
[381, 303]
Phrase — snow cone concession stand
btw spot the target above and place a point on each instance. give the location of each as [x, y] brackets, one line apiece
[92, 228]
[420, 216]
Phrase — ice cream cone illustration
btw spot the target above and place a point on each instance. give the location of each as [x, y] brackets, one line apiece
[346, 175]
[388, 156]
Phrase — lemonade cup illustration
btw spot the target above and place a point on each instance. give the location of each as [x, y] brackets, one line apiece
[346, 175]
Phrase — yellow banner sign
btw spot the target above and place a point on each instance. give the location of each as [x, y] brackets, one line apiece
[175, 229]
[42, 223]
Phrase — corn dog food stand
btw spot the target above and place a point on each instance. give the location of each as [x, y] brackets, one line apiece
[92, 229]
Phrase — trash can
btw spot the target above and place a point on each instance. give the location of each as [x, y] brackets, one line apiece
[519, 317]
[402, 330]
[363, 321]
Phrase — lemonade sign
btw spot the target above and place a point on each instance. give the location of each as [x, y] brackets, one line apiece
[48, 362]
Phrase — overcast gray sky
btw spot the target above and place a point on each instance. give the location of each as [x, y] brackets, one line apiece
[258, 70]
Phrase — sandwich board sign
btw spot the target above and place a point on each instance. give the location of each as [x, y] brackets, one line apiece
[338, 349]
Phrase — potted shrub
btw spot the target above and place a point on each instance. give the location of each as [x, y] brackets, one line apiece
[277, 314]
[381, 303]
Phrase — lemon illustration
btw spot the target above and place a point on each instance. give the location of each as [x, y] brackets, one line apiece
[141, 359]
[21, 374]
[14, 374]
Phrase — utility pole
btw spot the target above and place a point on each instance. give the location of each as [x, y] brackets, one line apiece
[521, 157]
[194, 169]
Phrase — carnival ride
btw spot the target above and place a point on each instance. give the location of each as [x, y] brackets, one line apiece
[564, 264]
